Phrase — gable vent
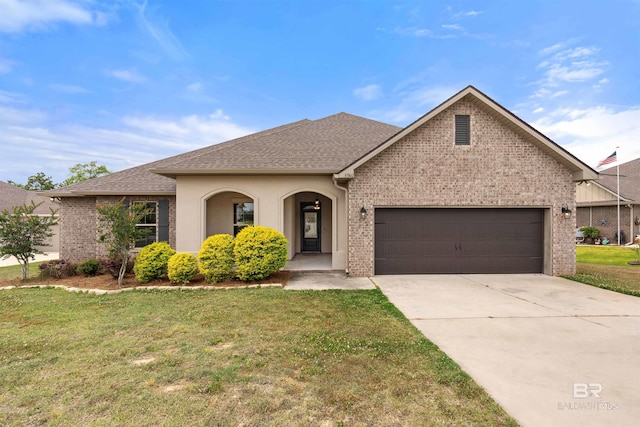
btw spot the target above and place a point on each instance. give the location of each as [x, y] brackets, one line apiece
[462, 130]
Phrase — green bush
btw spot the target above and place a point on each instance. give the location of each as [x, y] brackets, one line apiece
[259, 251]
[590, 232]
[89, 267]
[182, 267]
[151, 262]
[215, 258]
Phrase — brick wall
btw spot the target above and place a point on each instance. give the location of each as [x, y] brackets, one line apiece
[79, 224]
[78, 228]
[426, 169]
[605, 219]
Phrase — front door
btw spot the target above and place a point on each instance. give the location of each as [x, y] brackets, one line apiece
[310, 223]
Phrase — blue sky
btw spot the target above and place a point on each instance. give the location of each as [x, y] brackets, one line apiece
[127, 82]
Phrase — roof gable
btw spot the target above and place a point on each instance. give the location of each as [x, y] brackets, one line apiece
[580, 171]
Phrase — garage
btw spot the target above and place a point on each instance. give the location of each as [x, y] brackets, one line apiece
[459, 240]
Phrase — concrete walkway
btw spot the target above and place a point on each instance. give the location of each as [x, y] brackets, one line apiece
[552, 352]
[13, 261]
[321, 281]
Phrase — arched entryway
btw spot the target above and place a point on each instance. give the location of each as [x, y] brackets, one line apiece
[309, 228]
[228, 212]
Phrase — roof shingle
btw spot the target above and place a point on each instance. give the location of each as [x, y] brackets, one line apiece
[306, 146]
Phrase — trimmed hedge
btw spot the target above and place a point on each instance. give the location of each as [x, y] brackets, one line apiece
[151, 262]
[182, 267]
[259, 252]
[215, 258]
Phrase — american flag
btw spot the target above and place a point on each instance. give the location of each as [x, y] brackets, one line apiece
[612, 158]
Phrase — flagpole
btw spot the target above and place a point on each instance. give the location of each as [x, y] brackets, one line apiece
[618, 193]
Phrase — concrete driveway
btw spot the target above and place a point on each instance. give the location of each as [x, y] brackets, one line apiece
[551, 351]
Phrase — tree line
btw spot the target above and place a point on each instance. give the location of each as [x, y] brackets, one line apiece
[78, 173]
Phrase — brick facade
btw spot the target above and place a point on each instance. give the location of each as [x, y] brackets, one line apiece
[605, 219]
[79, 224]
[501, 168]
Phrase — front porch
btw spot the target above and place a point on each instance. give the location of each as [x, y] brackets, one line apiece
[309, 262]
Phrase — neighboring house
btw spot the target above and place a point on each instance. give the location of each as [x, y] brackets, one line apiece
[467, 188]
[598, 202]
[12, 195]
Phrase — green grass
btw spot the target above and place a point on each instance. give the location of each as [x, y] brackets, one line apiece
[607, 255]
[607, 267]
[15, 271]
[251, 357]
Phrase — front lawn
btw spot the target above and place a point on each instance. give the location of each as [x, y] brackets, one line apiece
[15, 271]
[237, 357]
[607, 267]
[607, 255]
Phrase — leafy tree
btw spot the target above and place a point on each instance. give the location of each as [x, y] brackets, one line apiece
[117, 228]
[84, 171]
[37, 182]
[21, 233]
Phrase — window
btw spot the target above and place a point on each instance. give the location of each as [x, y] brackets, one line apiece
[242, 216]
[463, 135]
[148, 222]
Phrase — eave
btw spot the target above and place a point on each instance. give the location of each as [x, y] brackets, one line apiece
[173, 173]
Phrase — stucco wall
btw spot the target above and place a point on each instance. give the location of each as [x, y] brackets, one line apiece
[274, 199]
[79, 223]
[499, 169]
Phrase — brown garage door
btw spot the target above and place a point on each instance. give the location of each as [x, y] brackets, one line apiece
[458, 241]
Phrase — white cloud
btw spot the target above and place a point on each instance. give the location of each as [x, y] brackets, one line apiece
[159, 31]
[452, 27]
[563, 64]
[196, 87]
[468, 13]
[592, 133]
[32, 139]
[6, 65]
[130, 76]
[368, 93]
[70, 89]
[39, 15]
[416, 99]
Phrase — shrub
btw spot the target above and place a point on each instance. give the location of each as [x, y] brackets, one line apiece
[88, 268]
[112, 266]
[151, 262]
[57, 269]
[590, 233]
[182, 267]
[259, 251]
[215, 258]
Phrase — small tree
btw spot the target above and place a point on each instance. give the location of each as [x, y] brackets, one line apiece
[84, 171]
[22, 232]
[118, 229]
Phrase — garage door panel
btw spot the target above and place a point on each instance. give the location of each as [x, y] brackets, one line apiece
[440, 241]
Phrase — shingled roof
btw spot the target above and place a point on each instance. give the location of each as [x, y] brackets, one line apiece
[12, 195]
[629, 180]
[323, 146]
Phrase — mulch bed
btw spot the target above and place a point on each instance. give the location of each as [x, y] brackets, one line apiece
[107, 282]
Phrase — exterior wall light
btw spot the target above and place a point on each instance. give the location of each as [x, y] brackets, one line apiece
[316, 204]
[566, 212]
[363, 213]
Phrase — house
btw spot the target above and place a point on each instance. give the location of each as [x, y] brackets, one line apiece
[597, 202]
[12, 195]
[466, 188]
